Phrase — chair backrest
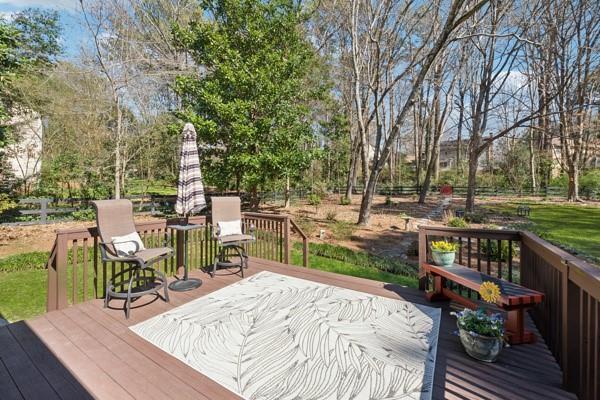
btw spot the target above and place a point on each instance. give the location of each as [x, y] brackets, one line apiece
[225, 209]
[113, 218]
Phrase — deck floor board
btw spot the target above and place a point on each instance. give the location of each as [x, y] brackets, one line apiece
[101, 353]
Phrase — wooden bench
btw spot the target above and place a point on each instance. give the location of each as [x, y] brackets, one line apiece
[515, 299]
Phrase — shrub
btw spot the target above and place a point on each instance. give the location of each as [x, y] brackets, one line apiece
[308, 226]
[590, 183]
[314, 199]
[24, 262]
[458, 223]
[388, 201]
[344, 201]
[495, 255]
[342, 230]
[85, 214]
[8, 208]
[362, 258]
[476, 217]
[330, 216]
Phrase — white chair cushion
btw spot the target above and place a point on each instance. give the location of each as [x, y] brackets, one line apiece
[128, 244]
[227, 228]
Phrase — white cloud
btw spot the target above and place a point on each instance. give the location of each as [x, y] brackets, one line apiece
[55, 4]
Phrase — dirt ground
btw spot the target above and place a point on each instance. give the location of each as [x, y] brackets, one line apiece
[392, 232]
[27, 238]
[388, 225]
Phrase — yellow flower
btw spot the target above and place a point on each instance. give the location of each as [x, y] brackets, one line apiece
[489, 291]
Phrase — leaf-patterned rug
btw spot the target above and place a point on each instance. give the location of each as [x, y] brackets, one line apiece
[277, 337]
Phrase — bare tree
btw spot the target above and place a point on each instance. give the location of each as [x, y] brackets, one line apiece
[419, 49]
[572, 31]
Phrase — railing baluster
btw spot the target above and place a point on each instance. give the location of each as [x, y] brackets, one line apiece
[499, 272]
[489, 256]
[469, 252]
[479, 254]
[85, 269]
[74, 257]
[510, 261]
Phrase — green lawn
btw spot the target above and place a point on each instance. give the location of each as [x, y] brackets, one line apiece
[574, 226]
[23, 277]
[346, 268]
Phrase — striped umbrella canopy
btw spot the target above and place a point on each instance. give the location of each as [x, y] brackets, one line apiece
[190, 190]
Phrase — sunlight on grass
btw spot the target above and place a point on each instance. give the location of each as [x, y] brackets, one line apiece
[347, 268]
[573, 226]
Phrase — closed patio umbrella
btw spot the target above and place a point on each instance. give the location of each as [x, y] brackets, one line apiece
[190, 190]
[190, 199]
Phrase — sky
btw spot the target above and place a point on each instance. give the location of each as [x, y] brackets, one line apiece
[73, 32]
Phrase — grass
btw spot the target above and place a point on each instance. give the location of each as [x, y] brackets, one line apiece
[23, 279]
[24, 262]
[142, 186]
[326, 257]
[574, 227]
[23, 294]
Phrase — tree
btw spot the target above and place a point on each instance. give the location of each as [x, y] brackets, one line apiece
[420, 53]
[572, 37]
[29, 45]
[251, 103]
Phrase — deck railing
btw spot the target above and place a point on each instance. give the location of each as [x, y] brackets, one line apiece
[569, 317]
[77, 273]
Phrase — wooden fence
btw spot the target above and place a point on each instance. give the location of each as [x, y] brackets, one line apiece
[569, 317]
[77, 273]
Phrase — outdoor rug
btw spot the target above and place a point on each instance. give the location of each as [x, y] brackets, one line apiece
[276, 337]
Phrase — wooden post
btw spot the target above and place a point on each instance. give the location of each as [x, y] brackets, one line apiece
[305, 252]
[51, 291]
[422, 258]
[57, 276]
[44, 211]
[286, 240]
[564, 339]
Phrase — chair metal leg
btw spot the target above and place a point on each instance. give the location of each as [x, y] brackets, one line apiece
[128, 300]
[214, 269]
[163, 278]
[107, 295]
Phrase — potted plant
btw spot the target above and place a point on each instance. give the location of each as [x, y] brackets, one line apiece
[482, 334]
[443, 252]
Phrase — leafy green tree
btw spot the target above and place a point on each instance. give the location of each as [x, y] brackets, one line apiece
[38, 33]
[250, 104]
[28, 45]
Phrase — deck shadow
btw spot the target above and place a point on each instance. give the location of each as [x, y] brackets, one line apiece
[29, 370]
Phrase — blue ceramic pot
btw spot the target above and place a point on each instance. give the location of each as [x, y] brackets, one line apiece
[443, 258]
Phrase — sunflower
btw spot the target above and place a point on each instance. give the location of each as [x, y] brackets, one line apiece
[489, 291]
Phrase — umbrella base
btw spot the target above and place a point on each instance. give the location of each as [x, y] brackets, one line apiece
[185, 285]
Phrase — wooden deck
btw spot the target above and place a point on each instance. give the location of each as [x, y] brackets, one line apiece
[86, 351]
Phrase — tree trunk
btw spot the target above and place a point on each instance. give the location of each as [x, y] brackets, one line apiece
[472, 182]
[351, 179]
[364, 215]
[254, 199]
[431, 167]
[573, 192]
[287, 192]
[532, 172]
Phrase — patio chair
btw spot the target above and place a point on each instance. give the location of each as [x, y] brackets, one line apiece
[228, 230]
[120, 242]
